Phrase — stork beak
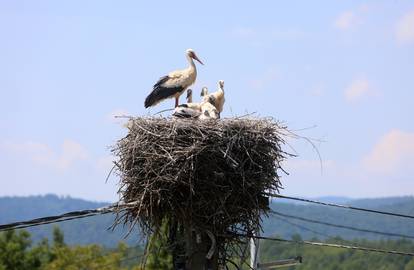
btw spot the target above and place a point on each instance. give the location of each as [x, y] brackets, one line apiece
[196, 58]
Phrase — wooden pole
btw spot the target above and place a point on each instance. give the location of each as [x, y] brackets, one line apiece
[198, 246]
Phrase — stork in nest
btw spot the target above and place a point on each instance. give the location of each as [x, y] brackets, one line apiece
[175, 83]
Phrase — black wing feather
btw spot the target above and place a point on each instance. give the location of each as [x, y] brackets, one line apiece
[160, 92]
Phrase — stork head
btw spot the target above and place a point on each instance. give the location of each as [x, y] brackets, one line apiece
[204, 91]
[190, 53]
[221, 84]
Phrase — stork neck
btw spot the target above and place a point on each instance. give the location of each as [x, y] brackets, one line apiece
[190, 99]
[190, 61]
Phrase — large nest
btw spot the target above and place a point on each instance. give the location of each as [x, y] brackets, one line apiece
[213, 175]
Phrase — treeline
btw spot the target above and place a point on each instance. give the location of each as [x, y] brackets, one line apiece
[328, 258]
[18, 253]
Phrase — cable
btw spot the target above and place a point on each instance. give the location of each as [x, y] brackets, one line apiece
[313, 231]
[343, 226]
[304, 228]
[46, 222]
[63, 217]
[340, 206]
[302, 242]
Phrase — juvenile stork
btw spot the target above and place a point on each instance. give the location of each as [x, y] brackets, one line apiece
[189, 109]
[217, 98]
[208, 111]
[175, 83]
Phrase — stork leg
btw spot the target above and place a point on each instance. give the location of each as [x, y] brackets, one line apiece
[176, 102]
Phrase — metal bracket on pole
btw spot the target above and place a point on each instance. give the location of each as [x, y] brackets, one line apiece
[280, 263]
[254, 252]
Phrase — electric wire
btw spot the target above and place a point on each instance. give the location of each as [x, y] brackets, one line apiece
[321, 244]
[341, 206]
[343, 226]
[64, 217]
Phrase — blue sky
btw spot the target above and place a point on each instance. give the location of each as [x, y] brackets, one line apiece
[346, 67]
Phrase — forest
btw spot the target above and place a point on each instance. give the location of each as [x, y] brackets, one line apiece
[18, 252]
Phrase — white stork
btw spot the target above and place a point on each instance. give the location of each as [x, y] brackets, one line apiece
[202, 111]
[175, 83]
[208, 111]
[216, 98]
[204, 92]
[189, 109]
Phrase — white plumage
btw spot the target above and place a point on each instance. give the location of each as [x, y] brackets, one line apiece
[189, 109]
[202, 111]
[175, 83]
[217, 98]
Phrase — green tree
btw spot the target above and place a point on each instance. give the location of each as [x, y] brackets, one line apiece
[410, 265]
[58, 237]
[13, 250]
[159, 257]
[40, 254]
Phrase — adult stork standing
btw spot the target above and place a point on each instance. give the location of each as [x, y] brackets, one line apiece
[175, 83]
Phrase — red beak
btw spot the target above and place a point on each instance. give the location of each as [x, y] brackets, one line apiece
[196, 58]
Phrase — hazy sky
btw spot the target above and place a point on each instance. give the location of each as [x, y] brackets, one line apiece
[66, 67]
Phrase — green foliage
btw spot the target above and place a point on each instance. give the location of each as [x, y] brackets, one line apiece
[17, 253]
[58, 238]
[13, 250]
[159, 256]
[341, 259]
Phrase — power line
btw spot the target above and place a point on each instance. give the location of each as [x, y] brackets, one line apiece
[342, 226]
[46, 222]
[303, 227]
[313, 231]
[341, 206]
[302, 242]
[64, 217]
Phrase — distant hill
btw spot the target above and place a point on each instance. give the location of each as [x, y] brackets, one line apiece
[94, 229]
[404, 205]
[80, 231]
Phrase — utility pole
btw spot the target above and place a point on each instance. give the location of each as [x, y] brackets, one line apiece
[201, 252]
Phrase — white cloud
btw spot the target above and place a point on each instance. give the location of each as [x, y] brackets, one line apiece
[346, 20]
[43, 154]
[38, 152]
[267, 78]
[358, 89]
[405, 29]
[71, 153]
[393, 152]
